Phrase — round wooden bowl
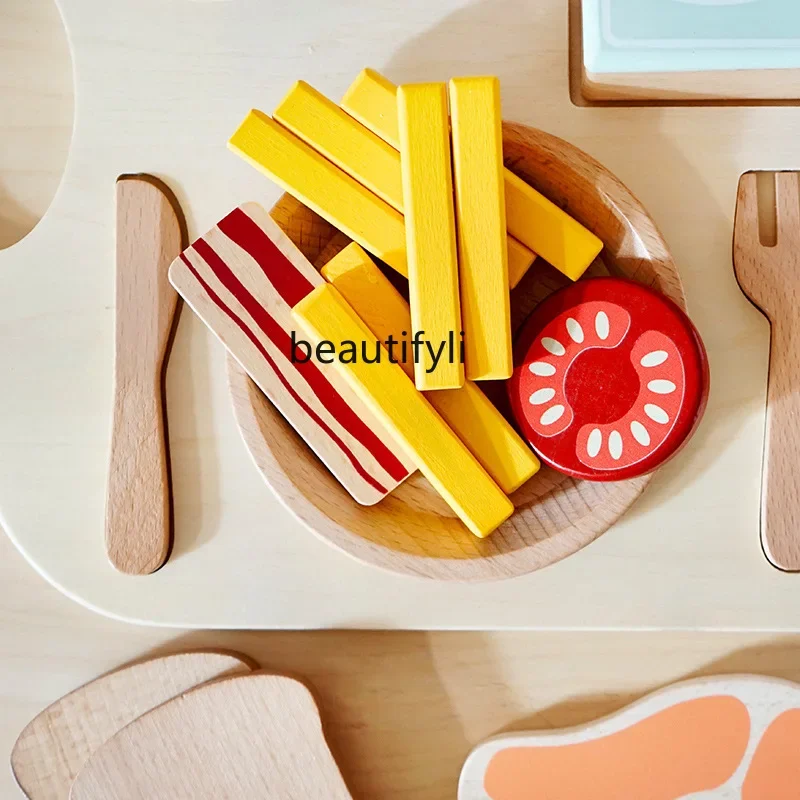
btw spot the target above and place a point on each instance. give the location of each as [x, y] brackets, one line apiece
[413, 531]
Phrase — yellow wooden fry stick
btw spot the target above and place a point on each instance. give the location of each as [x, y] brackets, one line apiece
[440, 455]
[323, 187]
[430, 232]
[481, 222]
[363, 154]
[471, 415]
[533, 219]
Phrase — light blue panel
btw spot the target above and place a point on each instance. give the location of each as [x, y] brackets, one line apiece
[689, 35]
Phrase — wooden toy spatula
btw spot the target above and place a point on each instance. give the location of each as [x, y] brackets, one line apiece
[770, 277]
[149, 238]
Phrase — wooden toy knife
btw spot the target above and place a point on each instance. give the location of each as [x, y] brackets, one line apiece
[149, 238]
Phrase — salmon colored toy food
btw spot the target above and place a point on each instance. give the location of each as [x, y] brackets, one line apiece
[732, 736]
[650, 761]
[611, 379]
[774, 773]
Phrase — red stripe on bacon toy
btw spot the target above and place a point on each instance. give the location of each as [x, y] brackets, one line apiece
[242, 279]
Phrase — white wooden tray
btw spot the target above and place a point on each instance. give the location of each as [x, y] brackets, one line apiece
[159, 88]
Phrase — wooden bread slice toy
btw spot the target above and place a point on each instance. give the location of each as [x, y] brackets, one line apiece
[256, 736]
[54, 747]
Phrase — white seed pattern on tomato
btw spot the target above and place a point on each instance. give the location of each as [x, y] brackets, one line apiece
[574, 330]
[542, 368]
[641, 430]
[553, 346]
[552, 415]
[541, 396]
[554, 350]
[661, 387]
[654, 358]
[601, 325]
[656, 413]
[615, 445]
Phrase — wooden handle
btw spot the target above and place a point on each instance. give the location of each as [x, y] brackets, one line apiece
[770, 277]
[138, 505]
[780, 503]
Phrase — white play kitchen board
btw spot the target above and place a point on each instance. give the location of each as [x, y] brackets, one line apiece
[160, 86]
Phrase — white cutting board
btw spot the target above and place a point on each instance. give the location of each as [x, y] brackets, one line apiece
[161, 84]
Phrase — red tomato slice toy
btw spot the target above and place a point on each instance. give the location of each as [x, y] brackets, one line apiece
[611, 379]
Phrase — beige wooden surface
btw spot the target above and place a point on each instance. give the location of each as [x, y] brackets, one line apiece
[678, 560]
[403, 709]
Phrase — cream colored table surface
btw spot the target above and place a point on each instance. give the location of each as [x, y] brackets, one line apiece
[403, 709]
[159, 87]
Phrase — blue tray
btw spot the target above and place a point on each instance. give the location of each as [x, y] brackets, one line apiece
[632, 36]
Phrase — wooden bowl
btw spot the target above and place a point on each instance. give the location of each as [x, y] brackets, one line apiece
[413, 531]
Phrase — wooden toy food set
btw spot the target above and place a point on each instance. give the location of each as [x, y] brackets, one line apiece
[205, 725]
[451, 242]
[389, 470]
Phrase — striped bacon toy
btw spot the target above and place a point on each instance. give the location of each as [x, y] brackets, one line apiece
[242, 278]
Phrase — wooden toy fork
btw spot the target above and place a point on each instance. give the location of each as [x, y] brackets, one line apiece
[770, 277]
